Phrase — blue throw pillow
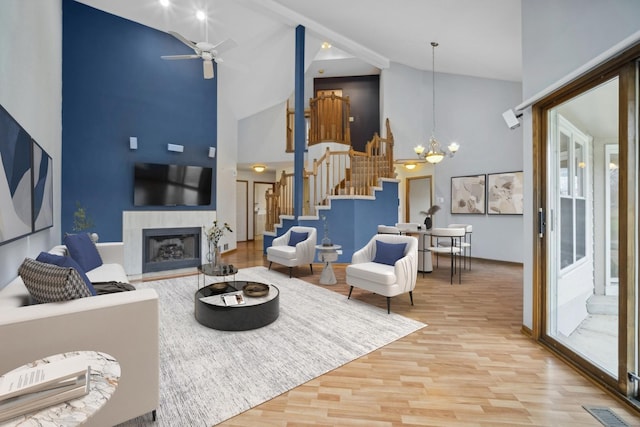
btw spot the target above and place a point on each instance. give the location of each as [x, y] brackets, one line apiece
[65, 261]
[295, 238]
[82, 249]
[388, 253]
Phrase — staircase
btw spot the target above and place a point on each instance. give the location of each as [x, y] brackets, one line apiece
[335, 173]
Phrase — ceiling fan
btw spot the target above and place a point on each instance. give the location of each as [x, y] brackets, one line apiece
[204, 50]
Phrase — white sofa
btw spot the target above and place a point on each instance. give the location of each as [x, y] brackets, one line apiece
[123, 325]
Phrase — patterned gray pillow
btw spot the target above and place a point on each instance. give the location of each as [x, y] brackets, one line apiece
[50, 283]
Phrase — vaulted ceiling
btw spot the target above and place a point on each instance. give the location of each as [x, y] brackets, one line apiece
[477, 37]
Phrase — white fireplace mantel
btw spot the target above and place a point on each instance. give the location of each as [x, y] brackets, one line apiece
[133, 222]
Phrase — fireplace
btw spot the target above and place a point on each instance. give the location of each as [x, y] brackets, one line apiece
[170, 248]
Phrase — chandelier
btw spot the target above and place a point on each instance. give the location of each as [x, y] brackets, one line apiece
[435, 153]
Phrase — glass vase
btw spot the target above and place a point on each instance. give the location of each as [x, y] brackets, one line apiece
[213, 256]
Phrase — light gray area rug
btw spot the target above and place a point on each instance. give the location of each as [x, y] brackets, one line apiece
[208, 376]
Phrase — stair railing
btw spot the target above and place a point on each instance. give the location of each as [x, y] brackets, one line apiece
[336, 172]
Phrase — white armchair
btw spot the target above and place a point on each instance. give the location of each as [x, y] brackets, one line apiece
[373, 268]
[302, 252]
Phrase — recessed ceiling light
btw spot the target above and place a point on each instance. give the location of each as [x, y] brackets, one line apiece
[165, 3]
[326, 45]
[201, 15]
[410, 166]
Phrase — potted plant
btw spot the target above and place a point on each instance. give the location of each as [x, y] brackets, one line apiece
[214, 234]
[428, 221]
[83, 222]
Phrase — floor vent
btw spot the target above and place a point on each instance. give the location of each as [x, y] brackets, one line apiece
[606, 416]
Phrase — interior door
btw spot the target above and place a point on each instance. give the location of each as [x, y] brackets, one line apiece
[417, 198]
[260, 207]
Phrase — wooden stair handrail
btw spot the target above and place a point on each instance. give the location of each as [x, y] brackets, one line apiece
[336, 172]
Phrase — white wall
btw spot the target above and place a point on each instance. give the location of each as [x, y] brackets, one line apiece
[226, 158]
[557, 38]
[31, 91]
[262, 137]
[469, 111]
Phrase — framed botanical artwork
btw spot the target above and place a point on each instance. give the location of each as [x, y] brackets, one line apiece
[505, 193]
[468, 194]
[15, 179]
[42, 169]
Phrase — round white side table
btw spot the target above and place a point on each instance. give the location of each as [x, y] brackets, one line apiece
[327, 255]
[105, 373]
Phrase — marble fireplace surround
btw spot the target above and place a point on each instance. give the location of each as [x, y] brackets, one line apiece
[133, 222]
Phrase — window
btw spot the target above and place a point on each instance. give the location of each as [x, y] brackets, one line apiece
[572, 170]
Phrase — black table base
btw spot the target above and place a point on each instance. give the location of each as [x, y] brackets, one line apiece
[240, 317]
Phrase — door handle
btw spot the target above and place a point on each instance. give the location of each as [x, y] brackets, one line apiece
[542, 223]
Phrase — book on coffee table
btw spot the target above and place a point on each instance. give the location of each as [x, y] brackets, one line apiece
[233, 299]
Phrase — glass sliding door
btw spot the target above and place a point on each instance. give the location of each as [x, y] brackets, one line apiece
[580, 316]
[586, 192]
[582, 311]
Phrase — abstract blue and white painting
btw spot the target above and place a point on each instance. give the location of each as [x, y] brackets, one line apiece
[42, 189]
[15, 179]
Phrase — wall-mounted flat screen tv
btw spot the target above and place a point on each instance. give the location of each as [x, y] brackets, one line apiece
[171, 185]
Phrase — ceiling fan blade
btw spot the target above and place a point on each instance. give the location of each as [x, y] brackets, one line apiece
[207, 68]
[225, 45]
[183, 39]
[180, 57]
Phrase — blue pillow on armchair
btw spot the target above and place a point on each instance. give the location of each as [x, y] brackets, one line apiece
[82, 249]
[65, 261]
[388, 253]
[295, 238]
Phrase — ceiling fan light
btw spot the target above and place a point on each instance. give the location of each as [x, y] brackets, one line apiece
[207, 69]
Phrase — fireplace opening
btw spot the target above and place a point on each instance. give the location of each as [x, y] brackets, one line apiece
[170, 248]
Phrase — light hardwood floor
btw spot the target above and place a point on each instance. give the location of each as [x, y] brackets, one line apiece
[471, 366]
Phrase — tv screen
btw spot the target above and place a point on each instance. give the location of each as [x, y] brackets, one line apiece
[171, 185]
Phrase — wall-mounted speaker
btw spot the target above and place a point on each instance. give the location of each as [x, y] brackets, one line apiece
[212, 152]
[511, 119]
[175, 147]
[133, 143]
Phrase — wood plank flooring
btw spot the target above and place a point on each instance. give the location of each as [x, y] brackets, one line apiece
[471, 366]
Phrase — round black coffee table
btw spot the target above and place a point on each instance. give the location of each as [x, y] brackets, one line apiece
[255, 312]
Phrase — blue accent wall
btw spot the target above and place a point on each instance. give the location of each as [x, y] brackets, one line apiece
[114, 86]
[351, 222]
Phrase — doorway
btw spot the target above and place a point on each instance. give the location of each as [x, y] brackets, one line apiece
[418, 191]
[260, 207]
